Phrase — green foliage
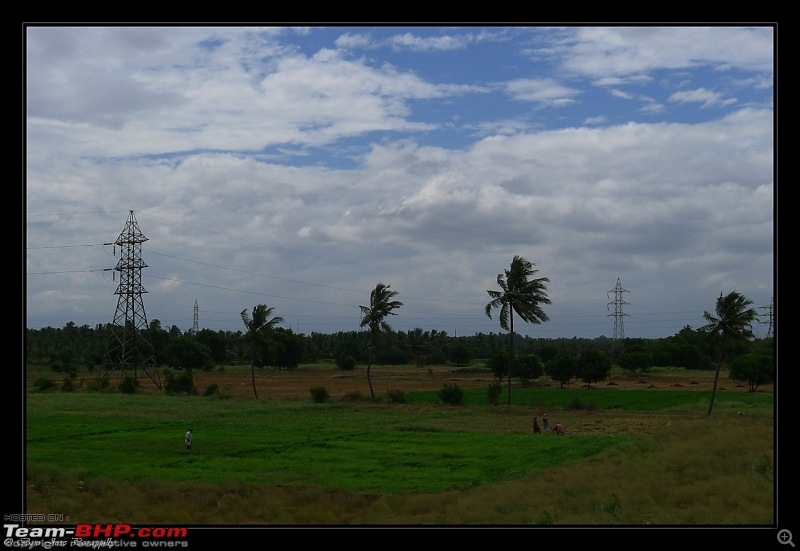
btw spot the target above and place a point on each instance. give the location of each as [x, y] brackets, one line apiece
[459, 354]
[498, 364]
[188, 353]
[451, 394]
[68, 384]
[577, 403]
[182, 383]
[493, 392]
[128, 385]
[319, 394]
[211, 390]
[346, 363]
[527, 367]
[396, 396]
[633, 361]
[562, 368]
[593, 366]
[354, 396]
[755, 369]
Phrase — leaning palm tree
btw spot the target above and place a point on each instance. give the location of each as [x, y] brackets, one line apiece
[518, 294]
[258, 338]
[374, 317]
[733, 322]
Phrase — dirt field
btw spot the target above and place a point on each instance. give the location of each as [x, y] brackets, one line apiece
[295, 384]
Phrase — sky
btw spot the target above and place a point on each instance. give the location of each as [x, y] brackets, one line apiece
[300, 167]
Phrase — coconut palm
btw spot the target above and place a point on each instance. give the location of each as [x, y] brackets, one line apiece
[733, 322]
[374, 317]
[258, 338]
[521, 294]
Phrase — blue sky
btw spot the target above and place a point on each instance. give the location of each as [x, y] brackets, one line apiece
[299, 167]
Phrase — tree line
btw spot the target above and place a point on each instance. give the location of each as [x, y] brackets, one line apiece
[725, 341]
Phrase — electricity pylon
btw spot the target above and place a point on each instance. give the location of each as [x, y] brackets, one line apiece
[618, 342]
[196, 324]
[129, 348]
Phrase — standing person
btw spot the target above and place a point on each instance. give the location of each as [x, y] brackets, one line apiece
[188, 440]
[536, 427]
[545, 423]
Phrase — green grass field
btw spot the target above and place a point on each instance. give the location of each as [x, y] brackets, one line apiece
[631, 457]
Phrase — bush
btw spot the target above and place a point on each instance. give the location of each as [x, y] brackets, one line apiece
[577, 403]
[68, 385]
[493, 392]
[451, 394]
[43, 383]
[211, 390]
[182, 383]
[396, 396]
[354, 396]
[128, 385]
[319, 394]
[346, 363]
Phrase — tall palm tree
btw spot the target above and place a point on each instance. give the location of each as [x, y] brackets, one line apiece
[374, 317]
[733, 322]
[258, 337]
[521, 294]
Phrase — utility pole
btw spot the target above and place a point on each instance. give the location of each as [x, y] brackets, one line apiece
[619, 331]
[129, 347]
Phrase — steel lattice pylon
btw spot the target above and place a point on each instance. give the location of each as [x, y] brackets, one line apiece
[129, 349]
[619, 331]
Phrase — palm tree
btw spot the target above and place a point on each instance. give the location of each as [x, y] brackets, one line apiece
[733, 322]
[374, 317]
[518, 294]
[258, 338]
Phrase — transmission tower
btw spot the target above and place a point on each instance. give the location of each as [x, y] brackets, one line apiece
[769, 315]
[129, 348]
[619, 331]
[196, 324]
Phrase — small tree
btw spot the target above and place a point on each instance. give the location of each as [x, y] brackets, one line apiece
[562, 368]
[258, 337]
[593, 366]
[756, 369]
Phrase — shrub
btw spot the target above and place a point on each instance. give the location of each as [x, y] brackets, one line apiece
[493, 392]
[346, 363]
[43, 383]
[319, 394]
[68, 385]
[128, 385]
[451, 394]
[211, 390]
[354, 396]
[577, 403]
[396, 396]
[176, 384]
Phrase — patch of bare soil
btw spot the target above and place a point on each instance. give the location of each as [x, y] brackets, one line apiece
[296, 384]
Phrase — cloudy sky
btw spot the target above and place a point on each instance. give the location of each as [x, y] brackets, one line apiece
[299, 167]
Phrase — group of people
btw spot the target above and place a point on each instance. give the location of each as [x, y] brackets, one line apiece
[545, 427]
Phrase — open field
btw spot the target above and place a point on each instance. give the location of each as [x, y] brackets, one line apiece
[645, 452]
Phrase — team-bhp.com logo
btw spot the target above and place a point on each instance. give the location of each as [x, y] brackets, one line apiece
[94, 536]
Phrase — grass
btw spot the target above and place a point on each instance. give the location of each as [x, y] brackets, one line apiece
[632, 457]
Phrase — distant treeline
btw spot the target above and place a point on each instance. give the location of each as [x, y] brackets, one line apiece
[74, 345]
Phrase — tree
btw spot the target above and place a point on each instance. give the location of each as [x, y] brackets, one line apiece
[593, 366]
[733, 323]
[521, 295]
[561, 368]
[258, 336]
[188, 353]
[756, 369]
[374, 317]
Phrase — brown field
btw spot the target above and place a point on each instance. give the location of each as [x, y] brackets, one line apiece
[295, 384]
